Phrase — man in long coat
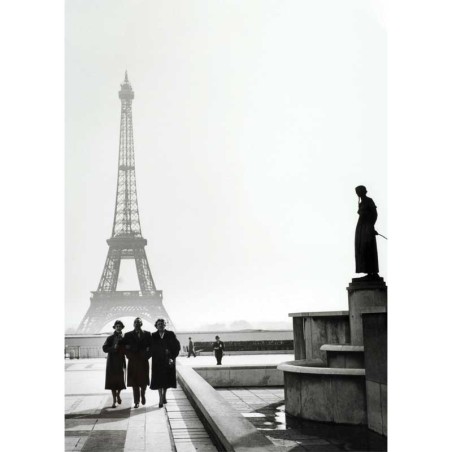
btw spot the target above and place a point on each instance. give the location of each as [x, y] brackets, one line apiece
[218, 349]
[191, 348]
[137, 345]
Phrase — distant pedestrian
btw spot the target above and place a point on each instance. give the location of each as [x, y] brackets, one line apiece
[116, 363]
[165, 349]
[191, 348]
[218, 349]
[138, 351]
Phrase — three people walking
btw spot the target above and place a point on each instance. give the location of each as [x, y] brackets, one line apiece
[139, 346]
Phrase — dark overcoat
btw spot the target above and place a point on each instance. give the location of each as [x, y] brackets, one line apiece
[138, 352]
[366, 256]
[116, 362]
[164, 349]
[218, 348]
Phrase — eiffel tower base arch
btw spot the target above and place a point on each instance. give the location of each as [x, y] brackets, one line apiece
[107, 307]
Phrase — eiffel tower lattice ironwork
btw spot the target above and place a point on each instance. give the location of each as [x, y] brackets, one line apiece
[126, 242]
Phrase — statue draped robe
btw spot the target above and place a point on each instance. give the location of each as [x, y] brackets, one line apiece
[366, 255]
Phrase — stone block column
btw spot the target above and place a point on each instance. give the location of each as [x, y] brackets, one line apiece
[364, 296]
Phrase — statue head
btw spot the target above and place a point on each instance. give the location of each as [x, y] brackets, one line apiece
[360, 190]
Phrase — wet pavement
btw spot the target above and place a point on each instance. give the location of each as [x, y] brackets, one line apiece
[92, 425]
[264, 407]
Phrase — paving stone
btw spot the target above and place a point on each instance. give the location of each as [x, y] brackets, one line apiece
[71, 442]
[182, 433]
[190, 434]
[153, 429]
[79, 424]
[81, 443]
[105, 440]
[179, 415]
[186, 409]
[179, 401]
[158, 441]
[135, 436]
[111, 424]
[186, 424]
[200, 447]
[201, 435]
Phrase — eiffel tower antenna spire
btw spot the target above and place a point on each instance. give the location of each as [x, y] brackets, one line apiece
[126, 242]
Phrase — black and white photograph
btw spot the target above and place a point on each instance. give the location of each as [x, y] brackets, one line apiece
[233, 156]
[231, 221]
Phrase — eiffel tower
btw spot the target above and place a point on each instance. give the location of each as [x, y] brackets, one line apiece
[126, 242]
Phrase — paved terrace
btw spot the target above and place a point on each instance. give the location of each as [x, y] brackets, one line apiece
[92, 425]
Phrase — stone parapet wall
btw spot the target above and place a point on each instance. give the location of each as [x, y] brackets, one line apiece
[241, 376]
[324, 394]
[90, 346]
[230, 429]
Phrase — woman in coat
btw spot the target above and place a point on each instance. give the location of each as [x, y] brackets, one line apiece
[165, 349]
[116, 363]
[138, 351]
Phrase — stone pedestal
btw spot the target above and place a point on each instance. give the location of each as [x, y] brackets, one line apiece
[364, 295]
[313, 329]
[324, 394]
[344, 356]
[375, 331]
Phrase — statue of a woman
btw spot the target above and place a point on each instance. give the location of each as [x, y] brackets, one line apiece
[366, 256]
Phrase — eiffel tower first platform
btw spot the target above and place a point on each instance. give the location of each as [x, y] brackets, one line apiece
[126, 242]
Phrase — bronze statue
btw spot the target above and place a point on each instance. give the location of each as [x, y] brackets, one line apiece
[366, 255]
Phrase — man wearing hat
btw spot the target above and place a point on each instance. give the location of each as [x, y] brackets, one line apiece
[218, 349]
[138, 351]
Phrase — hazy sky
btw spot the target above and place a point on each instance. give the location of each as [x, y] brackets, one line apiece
[253, 123]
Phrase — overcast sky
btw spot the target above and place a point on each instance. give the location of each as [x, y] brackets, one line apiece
[253, 123]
